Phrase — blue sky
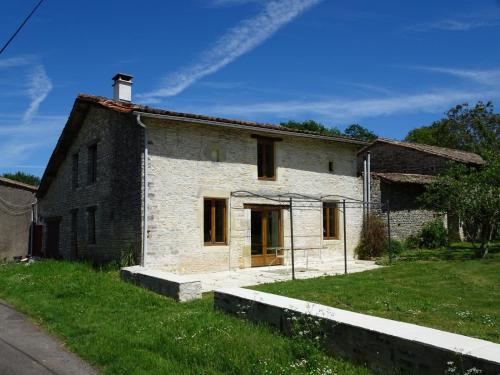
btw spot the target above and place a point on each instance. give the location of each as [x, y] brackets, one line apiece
[388, 65]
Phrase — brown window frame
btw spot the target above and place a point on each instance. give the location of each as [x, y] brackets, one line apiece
[213, 223]
[266, 141]
[327, 207]
[92, 164]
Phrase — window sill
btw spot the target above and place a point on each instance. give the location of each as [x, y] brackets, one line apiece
[267, 178]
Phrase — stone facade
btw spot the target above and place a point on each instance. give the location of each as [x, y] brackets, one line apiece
[15, 219]
[116, 194]
[182, 173]
[406, 216]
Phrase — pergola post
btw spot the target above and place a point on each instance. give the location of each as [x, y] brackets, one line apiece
[345, 237]
[291, 239]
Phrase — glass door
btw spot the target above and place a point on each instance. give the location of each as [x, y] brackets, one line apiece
[266, 236]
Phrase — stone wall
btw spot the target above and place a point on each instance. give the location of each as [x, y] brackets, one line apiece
[406, 216]
[384, 346]
[181, 173]
[15, 220]
[116, 194]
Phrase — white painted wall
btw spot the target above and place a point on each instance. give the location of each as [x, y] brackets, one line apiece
[181, 173]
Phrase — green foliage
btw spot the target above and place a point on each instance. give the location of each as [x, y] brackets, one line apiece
[373, 240]
[352, 131]
[433, 234]
[127, 257]
[23, 177]
[359, 132]
[311, 126]
[112, 324]
[412, 242]
[475, 129]
[473, 194]
[396, 247]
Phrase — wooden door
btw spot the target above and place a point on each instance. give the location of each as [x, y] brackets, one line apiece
[266, 236]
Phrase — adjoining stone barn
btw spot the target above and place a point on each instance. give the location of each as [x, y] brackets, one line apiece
[16, 204]
[399, 173]
[191, 193]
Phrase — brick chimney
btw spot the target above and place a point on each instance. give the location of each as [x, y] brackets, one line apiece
[122, 87]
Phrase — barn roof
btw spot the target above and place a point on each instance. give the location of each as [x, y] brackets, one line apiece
[448, 153]
[405, 178]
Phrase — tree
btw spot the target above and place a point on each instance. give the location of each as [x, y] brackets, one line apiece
[23, 177]
[352, 131]
[359, 132]
[474, 195]
[311, 126]
[475, 129]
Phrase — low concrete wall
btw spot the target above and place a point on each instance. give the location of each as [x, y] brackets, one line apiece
[385, 346]
[180, 288]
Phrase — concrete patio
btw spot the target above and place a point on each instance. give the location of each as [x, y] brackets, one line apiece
[262, 275]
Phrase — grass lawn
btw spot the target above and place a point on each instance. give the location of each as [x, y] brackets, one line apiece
[123, 329]
[461, 296]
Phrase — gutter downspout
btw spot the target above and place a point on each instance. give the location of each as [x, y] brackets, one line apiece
[365, 188]
[145, 198]
[369, 182]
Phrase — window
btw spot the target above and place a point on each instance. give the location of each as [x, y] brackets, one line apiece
[75, 170]
[74, 233]
[214, 221]
[92, 164]
[330, 166]
[266, 167]
[91, 237]
[330, 221]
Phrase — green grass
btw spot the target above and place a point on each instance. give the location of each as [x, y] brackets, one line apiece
[456, 296]
[456, 251]
[123, 329]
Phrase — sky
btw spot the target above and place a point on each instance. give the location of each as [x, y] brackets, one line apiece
[389, 65]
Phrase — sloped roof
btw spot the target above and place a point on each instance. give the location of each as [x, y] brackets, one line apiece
[405, 178]
[448, 153]
[17, 184]
[125, 107]
[84, 101]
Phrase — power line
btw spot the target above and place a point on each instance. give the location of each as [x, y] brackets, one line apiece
[21, 25]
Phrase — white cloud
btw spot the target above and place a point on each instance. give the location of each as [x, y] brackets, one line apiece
[237, 41]
[355, 109]
[484, 77]
[14, 62]
[464, 24]
[38, 88]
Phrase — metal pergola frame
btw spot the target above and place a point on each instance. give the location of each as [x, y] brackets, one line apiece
[346, 202]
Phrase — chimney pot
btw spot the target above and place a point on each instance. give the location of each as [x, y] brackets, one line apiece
[122, 87]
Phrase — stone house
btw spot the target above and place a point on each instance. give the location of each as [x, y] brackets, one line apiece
[16, 203]
[399, 173]
[191, 193]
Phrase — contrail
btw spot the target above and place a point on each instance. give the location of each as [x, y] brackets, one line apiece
[237, 41]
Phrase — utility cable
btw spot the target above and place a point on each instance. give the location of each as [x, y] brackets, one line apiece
[21, 25]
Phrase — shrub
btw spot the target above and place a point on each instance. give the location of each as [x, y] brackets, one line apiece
[127, 257]
[433, 234]
[396, 247]
[373, 238]
[412, 242]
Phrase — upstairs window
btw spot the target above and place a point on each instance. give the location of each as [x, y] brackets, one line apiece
[330, 221]
[92, 164]
[214, 221]
[266, 158]
[75, 163]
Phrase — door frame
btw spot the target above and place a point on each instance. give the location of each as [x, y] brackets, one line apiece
[266, 259]
[53, 236]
